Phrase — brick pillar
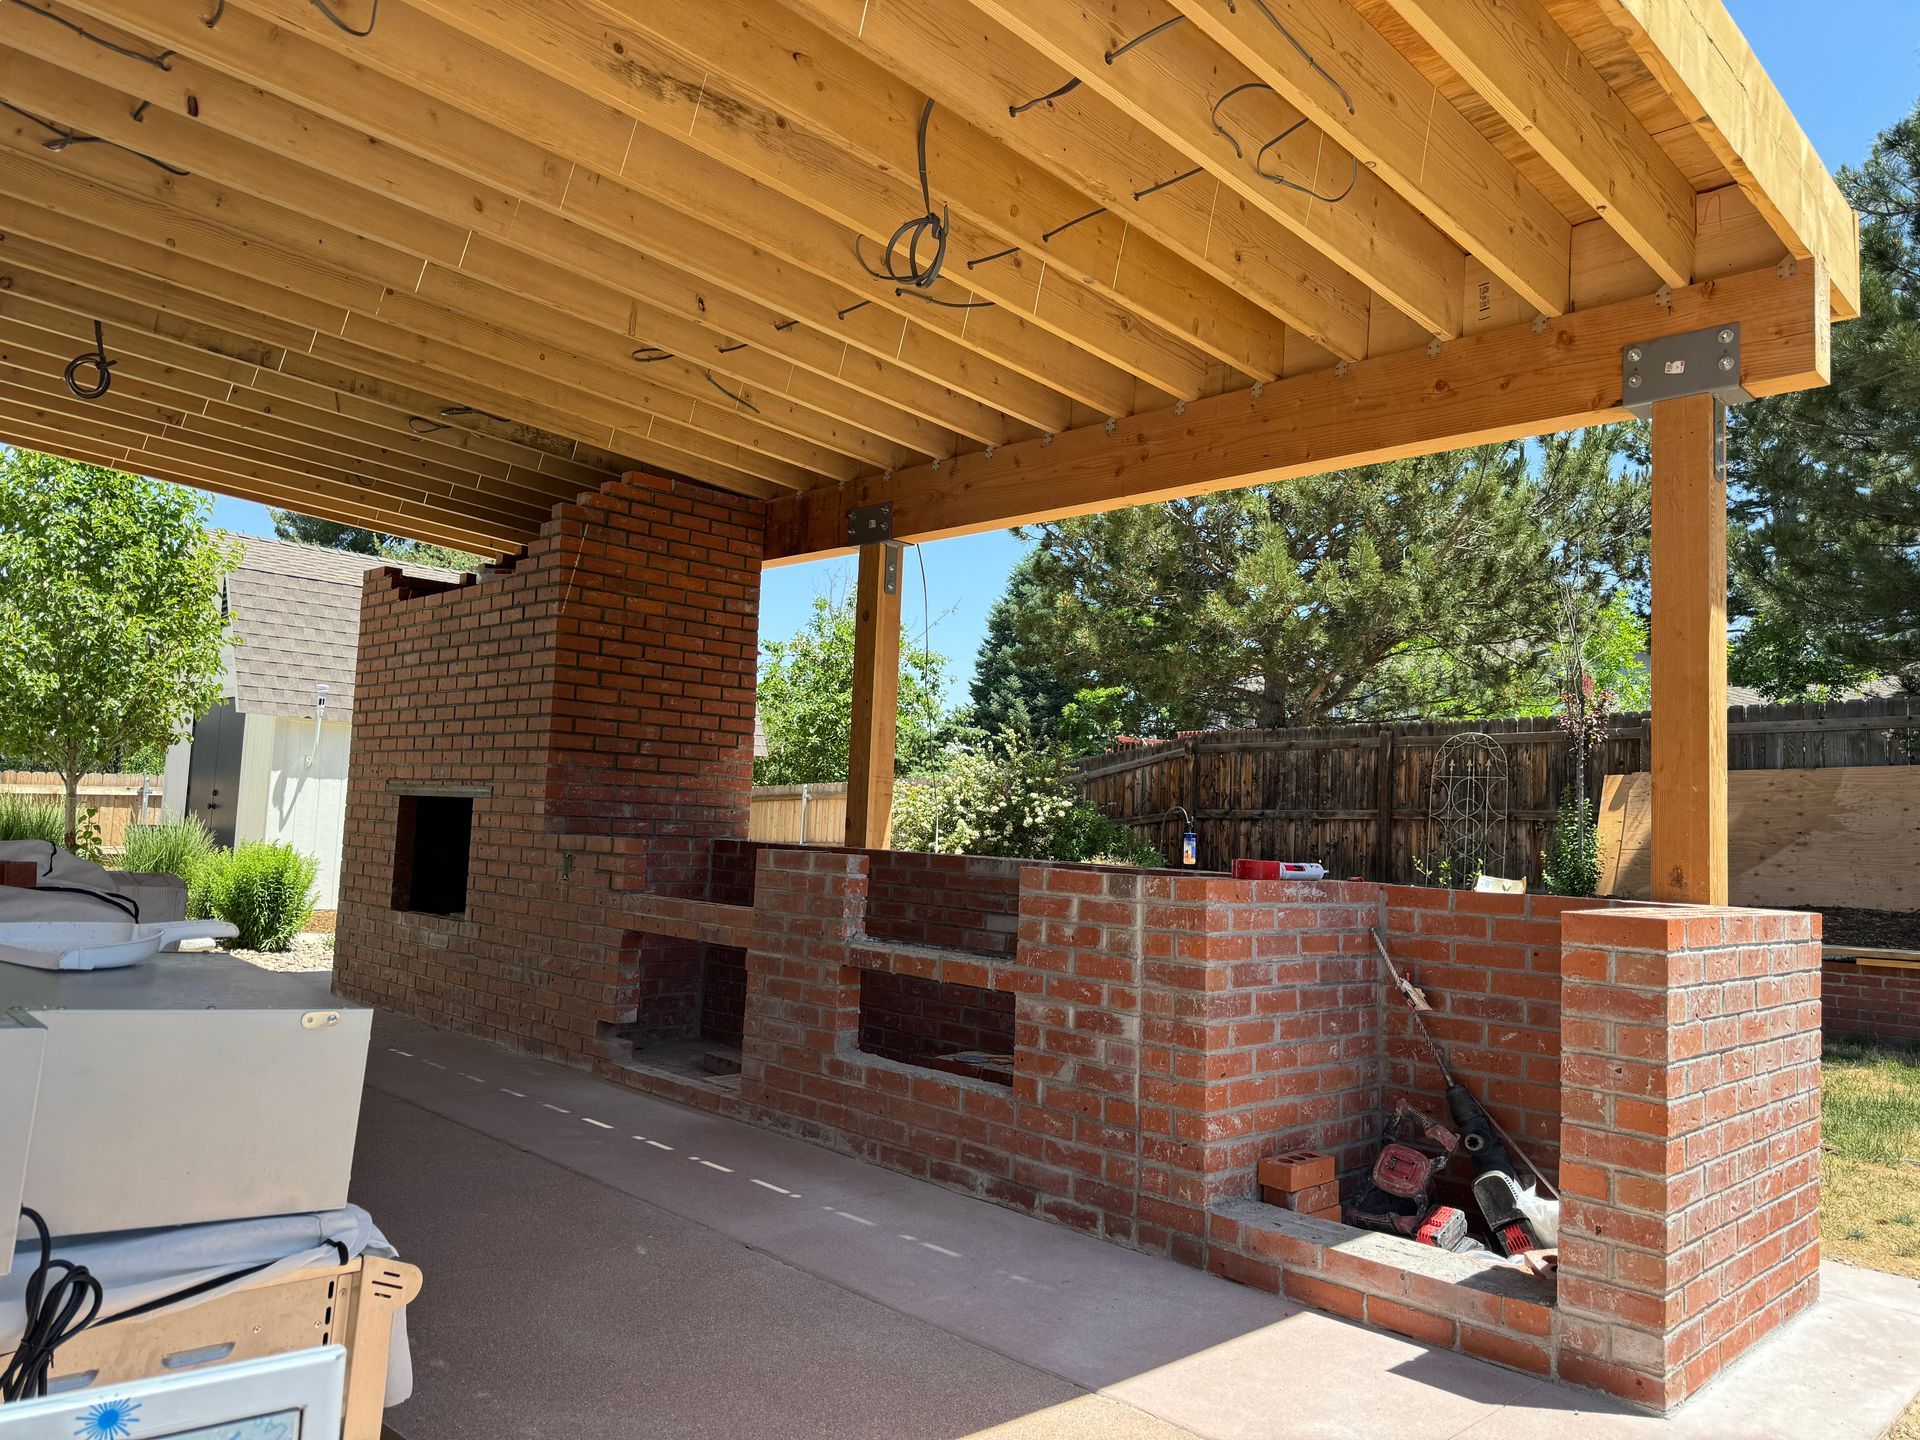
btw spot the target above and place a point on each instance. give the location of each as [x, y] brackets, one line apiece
[1690, 1044]
[803, 998]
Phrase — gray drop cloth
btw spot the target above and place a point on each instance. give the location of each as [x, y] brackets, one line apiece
[69, 888]
[136, 1267]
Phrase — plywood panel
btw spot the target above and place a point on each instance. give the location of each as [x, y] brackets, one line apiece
[1845, 835]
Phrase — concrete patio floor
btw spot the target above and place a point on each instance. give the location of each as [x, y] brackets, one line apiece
[601, 1264]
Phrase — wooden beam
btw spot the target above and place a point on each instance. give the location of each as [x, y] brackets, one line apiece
[1172, 84]
[1689, 644]
[1369, 97]
[1699, 56]
[1500, 385]
[876, 696]
[1524, 65]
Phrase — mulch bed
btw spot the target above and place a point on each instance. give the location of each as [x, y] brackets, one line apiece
[1875, 929]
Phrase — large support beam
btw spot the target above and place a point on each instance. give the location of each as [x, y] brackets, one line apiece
[876, 696]
[1500, 385]
[1689, 845]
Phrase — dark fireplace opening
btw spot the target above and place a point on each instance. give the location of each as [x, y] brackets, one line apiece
[954, 1029]
[432, 847]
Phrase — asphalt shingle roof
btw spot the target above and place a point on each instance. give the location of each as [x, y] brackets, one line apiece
[296, 609]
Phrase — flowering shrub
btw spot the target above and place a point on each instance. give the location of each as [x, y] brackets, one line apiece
[1003, 795]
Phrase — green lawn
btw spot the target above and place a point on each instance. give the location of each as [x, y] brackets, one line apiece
[1871, 1128]
[1870, 1124]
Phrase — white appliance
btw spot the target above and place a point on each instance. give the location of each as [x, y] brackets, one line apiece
[22, 1045]
[296, 1396]
[193, 1087]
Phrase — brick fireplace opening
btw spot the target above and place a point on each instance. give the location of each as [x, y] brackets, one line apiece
[954, 1029]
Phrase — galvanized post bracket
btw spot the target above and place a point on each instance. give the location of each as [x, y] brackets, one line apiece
[890, 570]
[1700, 362]
[870, 524]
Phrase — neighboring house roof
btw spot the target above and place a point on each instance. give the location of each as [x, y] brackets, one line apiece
[296, 609]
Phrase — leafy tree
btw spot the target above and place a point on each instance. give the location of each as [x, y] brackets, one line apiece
[1826, 549]
[290, 525]
[806, 702]
[1421, 587]
[111, 629]
[1007, 795]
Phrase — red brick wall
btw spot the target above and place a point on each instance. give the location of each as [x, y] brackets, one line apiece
[1490, 966]
[1858, 1003]
[1690, 1224]
[599, 692]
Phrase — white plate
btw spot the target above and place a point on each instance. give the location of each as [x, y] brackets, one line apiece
[98, 944]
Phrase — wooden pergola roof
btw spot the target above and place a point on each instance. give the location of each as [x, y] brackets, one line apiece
[430, 265]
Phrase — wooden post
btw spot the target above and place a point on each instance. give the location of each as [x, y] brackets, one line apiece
[1689, 841]
[876, 696]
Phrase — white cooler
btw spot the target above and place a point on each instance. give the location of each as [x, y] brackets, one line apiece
[189, 1088]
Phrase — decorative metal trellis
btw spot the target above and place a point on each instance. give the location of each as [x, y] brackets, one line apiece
[1467, 808]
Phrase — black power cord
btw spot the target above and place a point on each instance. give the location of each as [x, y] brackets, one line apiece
[57, 1292]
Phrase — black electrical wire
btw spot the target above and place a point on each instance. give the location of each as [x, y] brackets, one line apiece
[909, 269]
[1171, 180]
[738, 399]
[857, 305]
[57, 1292]
[1047, 237]
[945, 304]
[729, 349]
[103, 369]
[454, 412]
[651, 355]
[1142, 38]
[1016, 111]
[1304, 53]
[64, 138]
[420, 425]
[162, 61]
[219, 14]
[372, 19]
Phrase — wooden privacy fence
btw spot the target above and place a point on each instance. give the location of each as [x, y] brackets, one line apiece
[118, 798]
[799, 814]
[1355, 797]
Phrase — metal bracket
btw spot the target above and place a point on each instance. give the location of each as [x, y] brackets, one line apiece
[1433, 348]
[870, 524]
[1787, 268]
[1699, 362]
[890, 568]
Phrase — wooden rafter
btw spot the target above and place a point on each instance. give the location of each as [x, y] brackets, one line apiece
[1180, 85]
[1323, 58]
[1524, 65]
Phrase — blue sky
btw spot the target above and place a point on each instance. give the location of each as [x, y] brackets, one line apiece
[1848, 69]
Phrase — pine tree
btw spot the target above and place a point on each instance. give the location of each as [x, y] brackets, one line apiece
[308, 530]
[1826, 549]
[1425, 587]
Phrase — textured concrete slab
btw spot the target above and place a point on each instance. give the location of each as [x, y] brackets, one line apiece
[962, 1286]
[556, 1307]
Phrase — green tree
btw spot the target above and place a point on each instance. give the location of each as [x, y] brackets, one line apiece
[111, 628]
[1425, 587]
[806, 702]
[1826, 483]
[307, 530]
